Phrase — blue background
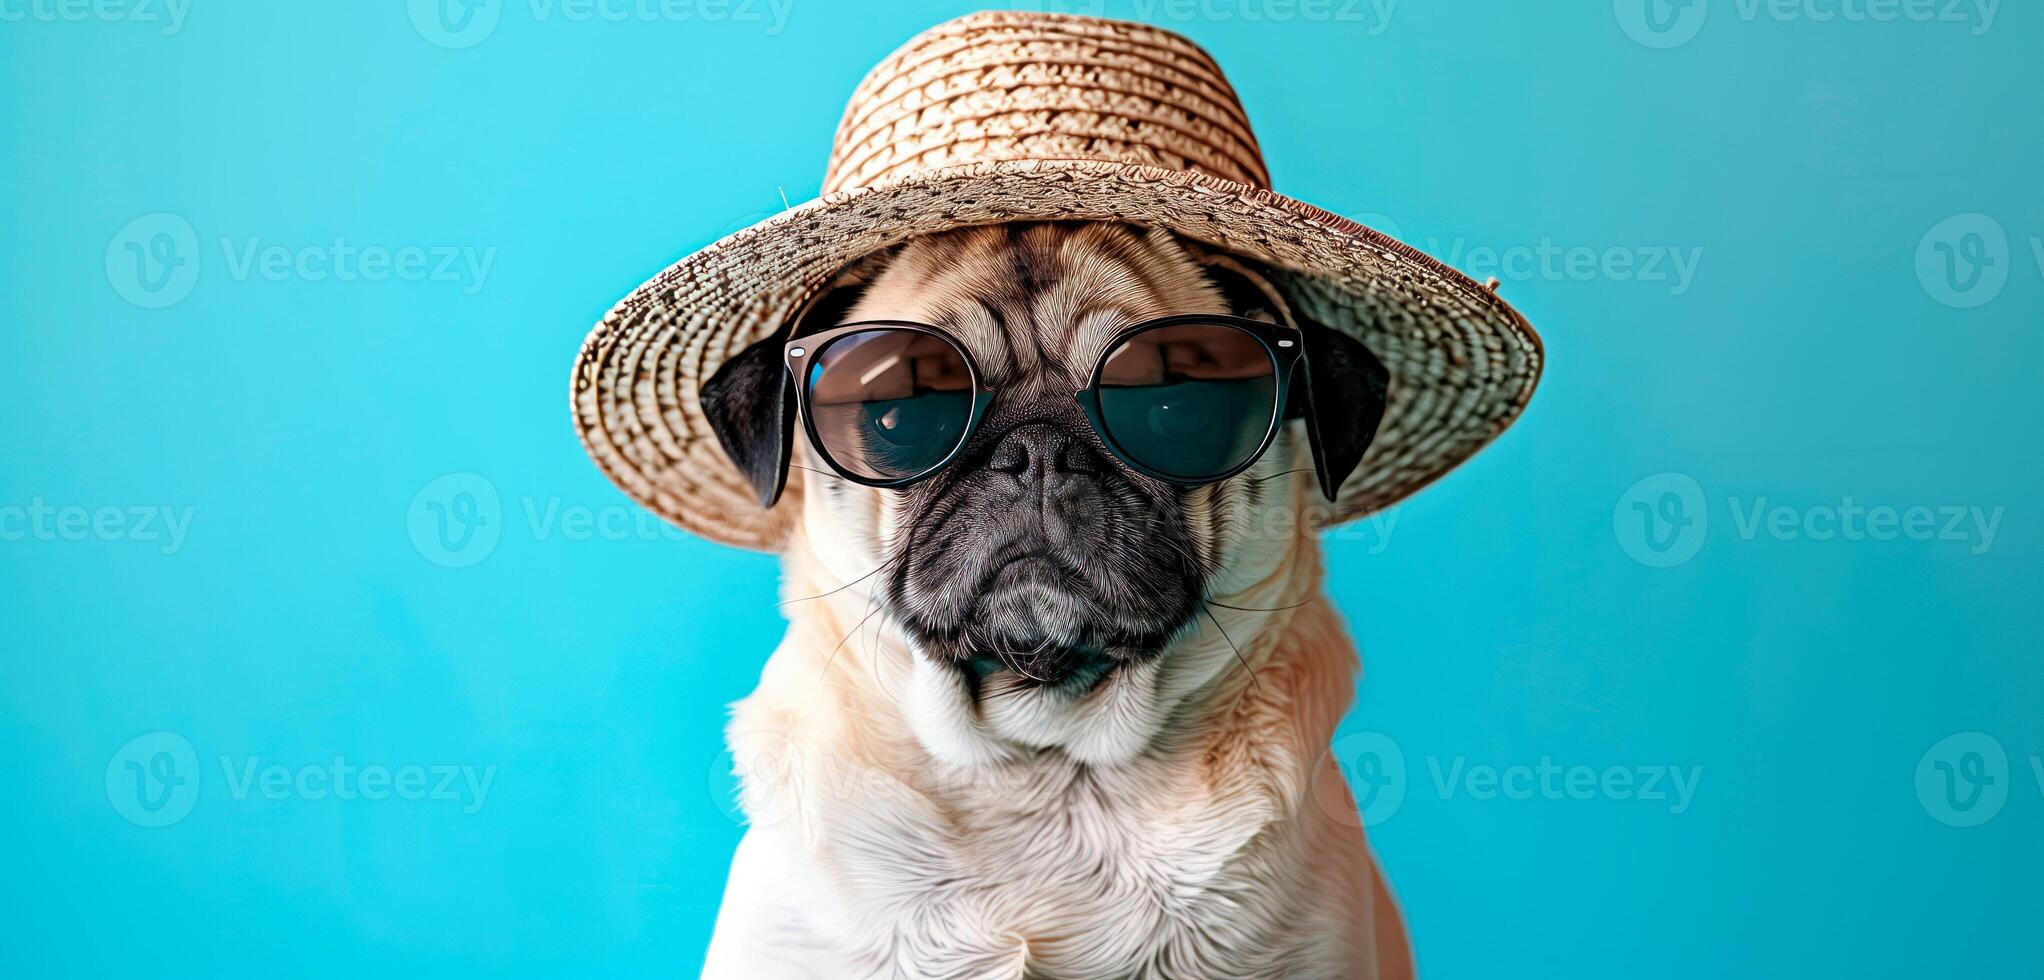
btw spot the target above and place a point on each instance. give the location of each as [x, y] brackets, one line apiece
[1513, 613]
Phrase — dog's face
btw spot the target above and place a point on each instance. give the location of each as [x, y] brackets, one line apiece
[1043, 585]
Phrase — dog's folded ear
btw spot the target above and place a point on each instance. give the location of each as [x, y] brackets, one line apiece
[1346, 390]
[750, 403]
[750, 400]
[1342, 388]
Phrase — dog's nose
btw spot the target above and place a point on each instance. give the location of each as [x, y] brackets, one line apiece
[1042, 455]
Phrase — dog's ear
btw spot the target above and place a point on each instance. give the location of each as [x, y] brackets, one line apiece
[1343, 387]
[750, 403]
[1248, 292]
[750, 400]
[1346, 390]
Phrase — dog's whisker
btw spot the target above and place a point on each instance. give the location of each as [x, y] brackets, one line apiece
[841, 640]
[1306, 602]
[1231, 645]
[877, 569]
[1273, 476]
[873, 604]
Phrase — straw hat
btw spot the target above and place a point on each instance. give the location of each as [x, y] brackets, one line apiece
[1000, 117]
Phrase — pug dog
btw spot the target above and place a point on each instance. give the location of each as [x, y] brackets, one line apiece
[1041, 713]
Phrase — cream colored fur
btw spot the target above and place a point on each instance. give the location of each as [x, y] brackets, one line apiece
[1184, 819]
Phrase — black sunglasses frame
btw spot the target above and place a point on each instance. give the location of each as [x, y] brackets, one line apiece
[1284, 345]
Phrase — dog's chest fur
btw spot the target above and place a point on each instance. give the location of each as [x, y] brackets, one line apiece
[1061, 884]
[1212, 857]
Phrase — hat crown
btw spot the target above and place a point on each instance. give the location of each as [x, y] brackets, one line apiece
[1004, 86]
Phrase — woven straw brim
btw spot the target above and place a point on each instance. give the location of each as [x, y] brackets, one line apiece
[1462, 362]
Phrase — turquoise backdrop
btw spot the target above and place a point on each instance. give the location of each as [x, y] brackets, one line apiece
[325, 651]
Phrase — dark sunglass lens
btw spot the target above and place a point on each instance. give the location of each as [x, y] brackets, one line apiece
[1192, 401]
[889, 404]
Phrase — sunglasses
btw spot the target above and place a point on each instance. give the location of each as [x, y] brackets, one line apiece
[1190, 399]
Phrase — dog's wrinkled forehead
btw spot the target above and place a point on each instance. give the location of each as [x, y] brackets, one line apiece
[1038, 303]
